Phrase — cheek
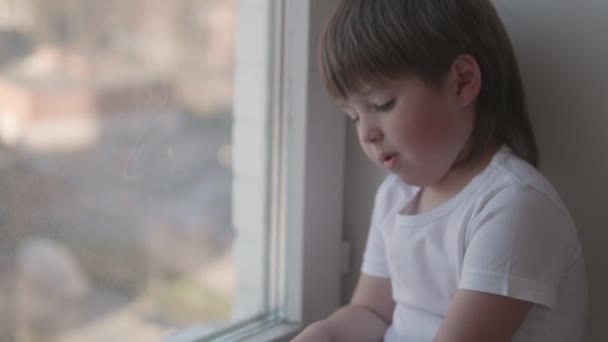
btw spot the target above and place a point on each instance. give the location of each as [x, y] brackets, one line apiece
[418, 131]
[430, 131]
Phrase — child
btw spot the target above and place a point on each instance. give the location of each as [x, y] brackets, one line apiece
[468, 241]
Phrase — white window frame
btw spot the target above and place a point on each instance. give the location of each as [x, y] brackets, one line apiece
[318, 148]
[311, 138]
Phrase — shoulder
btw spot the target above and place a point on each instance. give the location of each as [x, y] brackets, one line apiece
[518, 201]
[521, 239]
[512, 182]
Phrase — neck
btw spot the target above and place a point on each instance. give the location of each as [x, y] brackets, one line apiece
[454, 181]
[462, 173]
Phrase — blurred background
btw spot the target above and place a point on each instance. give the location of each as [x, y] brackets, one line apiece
[115, 168]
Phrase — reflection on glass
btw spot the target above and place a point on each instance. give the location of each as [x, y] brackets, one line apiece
[115, 168]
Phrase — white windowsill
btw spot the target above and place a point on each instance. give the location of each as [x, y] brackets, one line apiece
[280, 332]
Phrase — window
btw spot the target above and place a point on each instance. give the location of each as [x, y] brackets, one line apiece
[160, 178]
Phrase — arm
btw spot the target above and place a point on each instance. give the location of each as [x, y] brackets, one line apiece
[476, 316]
[366, 318]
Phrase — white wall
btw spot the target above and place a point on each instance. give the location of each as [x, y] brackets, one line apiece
[562, 48]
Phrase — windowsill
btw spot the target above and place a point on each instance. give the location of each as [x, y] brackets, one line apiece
[281, 332]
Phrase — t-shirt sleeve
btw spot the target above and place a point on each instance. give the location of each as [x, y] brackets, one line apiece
[374, 257]
[517, 245]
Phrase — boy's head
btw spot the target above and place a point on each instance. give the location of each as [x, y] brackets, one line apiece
[370, 43]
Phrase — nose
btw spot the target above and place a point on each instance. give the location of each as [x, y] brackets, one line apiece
[371, 134]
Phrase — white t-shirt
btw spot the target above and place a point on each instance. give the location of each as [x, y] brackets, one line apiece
[507, 233]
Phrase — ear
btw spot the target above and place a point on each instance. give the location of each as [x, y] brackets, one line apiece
[466, 79]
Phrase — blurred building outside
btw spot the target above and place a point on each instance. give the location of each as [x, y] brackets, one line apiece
[115, 124]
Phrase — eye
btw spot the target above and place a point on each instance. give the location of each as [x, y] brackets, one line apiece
[385, 107]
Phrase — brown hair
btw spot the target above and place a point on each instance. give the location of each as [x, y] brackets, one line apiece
[370, 40]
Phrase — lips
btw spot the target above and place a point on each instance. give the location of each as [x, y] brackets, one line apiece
[388, 159]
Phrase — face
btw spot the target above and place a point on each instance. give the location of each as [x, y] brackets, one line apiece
[411, 129]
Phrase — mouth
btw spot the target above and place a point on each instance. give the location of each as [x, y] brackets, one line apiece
[388, 159]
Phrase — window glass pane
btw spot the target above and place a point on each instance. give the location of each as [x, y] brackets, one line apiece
[118, 180]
